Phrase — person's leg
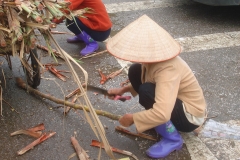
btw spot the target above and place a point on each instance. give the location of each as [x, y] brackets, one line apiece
[171, 139]
[134, 76]
[87, 35]
[76, 26]
[179, 119]
[146, 93]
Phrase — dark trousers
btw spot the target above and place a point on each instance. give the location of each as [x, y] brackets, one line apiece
[76, 26]
[146, 92]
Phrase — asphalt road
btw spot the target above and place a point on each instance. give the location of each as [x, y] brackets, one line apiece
[210, 38]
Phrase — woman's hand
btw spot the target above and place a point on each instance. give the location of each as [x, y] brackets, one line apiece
[114, 92]
[126, 120]
[117, 91]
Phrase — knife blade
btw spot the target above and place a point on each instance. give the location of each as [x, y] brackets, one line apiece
[105, 93]
[98, 90]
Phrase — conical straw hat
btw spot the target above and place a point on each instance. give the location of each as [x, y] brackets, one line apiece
[143, 41]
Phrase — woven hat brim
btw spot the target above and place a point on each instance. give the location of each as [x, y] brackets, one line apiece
[143, 41]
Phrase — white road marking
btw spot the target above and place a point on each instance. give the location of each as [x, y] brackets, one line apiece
[210, 41]
[196, 146]
[143, 5]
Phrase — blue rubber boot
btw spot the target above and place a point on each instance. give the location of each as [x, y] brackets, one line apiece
[171, 140]
[75, 39]
[91, 45]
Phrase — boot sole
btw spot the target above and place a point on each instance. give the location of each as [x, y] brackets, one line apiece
[92, 53]
[76, 42]
[176, 149]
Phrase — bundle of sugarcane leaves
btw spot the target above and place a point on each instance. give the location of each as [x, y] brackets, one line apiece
[20, 20]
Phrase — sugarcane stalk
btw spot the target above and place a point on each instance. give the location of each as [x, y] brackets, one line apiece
[5, 29]
[1, 9]
[14, 24]
[38, 5]
[22, 84]
[53, 10]
[3, 42]
[35, 15]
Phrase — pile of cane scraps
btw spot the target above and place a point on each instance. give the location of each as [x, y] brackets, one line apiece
[36, 132]
[105, 78]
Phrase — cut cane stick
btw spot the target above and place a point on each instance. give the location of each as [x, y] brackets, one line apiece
[118, 128]
[82, 155]
[44, 137]
[67, 109]
[72, 93]
[26, 132]
[114, 74]
[94, 54]
[57, 74]
[96, 143]
[103, 77]
[33, 132]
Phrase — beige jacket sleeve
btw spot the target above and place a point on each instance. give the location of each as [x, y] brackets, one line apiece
[167, 85]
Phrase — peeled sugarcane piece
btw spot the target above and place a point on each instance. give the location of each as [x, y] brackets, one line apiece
[3, 42]
[82, 155]
[34, 131]
[14, 24]
[26, 6]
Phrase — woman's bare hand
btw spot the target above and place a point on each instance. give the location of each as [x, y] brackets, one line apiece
[126, 120]
[114, 92]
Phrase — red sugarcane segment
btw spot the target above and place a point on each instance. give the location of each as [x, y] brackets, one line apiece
[56, 74]
[103, 77]
[44, 137]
